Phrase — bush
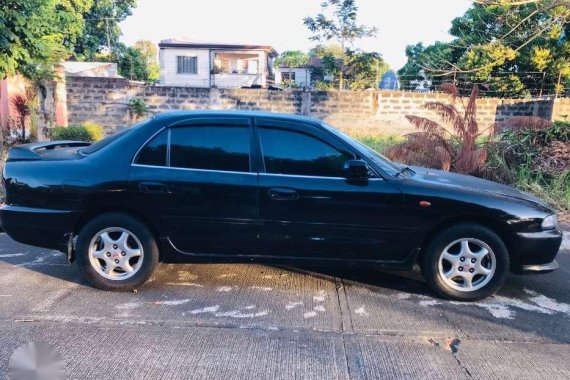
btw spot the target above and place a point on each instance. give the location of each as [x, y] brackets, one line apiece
[138, 107]
[86, 132]
[95, 130]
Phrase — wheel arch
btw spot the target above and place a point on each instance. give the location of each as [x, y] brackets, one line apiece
[497, 226]
[107, 209]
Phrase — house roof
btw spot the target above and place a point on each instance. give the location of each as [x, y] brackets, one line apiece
[198, 44]
[78, 68]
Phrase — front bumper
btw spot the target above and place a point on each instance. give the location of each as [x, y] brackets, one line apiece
[540, 268]
[536, 251]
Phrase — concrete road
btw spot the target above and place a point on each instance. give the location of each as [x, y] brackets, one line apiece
[261, 322]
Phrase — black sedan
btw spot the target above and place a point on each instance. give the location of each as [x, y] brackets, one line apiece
[278, 189]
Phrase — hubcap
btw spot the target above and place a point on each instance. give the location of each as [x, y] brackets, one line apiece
[116, 253]
[467, 264]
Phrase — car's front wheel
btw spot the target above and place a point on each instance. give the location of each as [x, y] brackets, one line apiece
[115, 251]
[466, 262]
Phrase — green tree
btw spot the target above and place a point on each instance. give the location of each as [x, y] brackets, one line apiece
[514, 48]
[149, 51]
[330, 57]
[364, 69]
[130, 62]
[35, 34]
[102, 29]
[337, 22]
[292, 59]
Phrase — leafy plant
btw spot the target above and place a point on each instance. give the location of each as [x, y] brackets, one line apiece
[86, 132]
[437, 146]
[22, 107]
[138, 106]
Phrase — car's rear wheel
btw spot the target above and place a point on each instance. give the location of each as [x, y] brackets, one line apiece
[466, 262]
[115, 251]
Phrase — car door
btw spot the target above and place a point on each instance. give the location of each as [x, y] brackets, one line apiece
[196, 178]
[310, 210]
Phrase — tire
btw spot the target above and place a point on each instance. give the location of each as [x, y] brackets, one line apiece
[110, 260]
[455, 264]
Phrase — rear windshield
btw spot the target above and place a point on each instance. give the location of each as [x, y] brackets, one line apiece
[109, 139]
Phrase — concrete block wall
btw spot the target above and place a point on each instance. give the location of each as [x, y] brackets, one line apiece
[105, 101]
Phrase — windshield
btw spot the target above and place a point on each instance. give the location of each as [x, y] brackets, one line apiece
[388, 166]
[109, 139]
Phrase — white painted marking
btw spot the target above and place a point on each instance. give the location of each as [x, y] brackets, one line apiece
[292, 305]
[565, 241]
[185, 284]
[225, 288]
[361, 311]
[5, 295]
[320, 297]
[403, 296]
[319, 308]
[6, 255]
[548, 303]
[263, 288]
[267, 277]
[238, 314]
[186, 276]
[207, 309]
[309, 314]
[249, 307]
[128, 306]
[172, 302]
[426, 303]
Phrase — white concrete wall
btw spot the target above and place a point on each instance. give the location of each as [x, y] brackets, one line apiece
[302, 76]
[169, 76]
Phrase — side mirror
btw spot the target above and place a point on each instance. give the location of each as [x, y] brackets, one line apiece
[356, 169]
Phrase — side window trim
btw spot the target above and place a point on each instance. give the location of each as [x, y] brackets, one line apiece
[202, 122]
[304, 129]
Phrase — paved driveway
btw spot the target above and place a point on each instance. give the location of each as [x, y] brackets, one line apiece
[260, 322]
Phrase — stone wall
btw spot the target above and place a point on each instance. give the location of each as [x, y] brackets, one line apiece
[105, 100]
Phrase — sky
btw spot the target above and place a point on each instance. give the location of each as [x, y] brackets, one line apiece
[280, 23]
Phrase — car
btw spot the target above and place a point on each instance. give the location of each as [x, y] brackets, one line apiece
[235, 186]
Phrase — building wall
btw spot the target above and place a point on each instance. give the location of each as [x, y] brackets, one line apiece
[104, 101]
[302, 76]
[169, 76]
[9, 88]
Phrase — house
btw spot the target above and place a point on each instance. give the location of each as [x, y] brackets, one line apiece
[91, 69]
[300, 76]
[192, 63]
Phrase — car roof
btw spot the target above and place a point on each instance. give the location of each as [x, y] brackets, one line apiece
[174, 116]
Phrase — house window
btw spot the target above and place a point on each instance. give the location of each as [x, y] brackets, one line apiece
[186, 65]
[288, 76]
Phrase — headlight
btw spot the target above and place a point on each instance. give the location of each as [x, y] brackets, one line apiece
[550, 222]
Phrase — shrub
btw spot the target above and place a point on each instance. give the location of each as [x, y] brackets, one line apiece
[86, 132]
[138, 106]
[436, 146]
[95, 130]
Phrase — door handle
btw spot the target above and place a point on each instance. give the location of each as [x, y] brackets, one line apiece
[283, 194]
[154, 188]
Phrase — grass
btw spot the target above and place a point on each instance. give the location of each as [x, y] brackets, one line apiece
[375, 139]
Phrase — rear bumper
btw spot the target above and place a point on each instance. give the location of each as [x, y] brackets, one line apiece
[536, 251]
[45, 228]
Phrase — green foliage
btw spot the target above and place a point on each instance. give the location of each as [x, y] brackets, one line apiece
[379, 142]
[131, 63]
[149, 52]
[292, 58]
[363, 70]
[102, 27]
[86, 132]
[138, 106]
[537, 161]
[35, 34]
[337, 22]
[514, 49]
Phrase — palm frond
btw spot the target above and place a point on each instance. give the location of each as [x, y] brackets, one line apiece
[450, 89]
[427, 125]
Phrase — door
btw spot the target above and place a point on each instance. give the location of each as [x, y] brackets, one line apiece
[309, 209]
[195, 178]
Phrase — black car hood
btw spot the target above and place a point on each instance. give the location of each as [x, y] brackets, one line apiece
[473, 184]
